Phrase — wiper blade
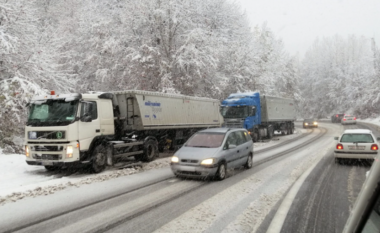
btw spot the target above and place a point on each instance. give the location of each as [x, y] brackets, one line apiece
[361, 142]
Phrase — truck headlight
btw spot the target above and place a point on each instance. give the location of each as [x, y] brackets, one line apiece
[175, 159]
[315, 123]
[207, 162]
[69, 151]
[306, 123]
[27, 151]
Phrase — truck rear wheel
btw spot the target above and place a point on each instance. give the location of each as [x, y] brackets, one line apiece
[99, 159]
[150, 151]
[270, 132]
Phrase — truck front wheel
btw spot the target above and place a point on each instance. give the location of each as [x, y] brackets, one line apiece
[150, 151]
[99, 159]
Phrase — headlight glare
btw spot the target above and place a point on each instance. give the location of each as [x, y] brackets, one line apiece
[175, 159]
[27, 151]
[306, 124]
[69, 151]
[315, 123]
[207, 162]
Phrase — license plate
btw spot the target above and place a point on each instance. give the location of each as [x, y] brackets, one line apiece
[47, 163]
[356, 147]
[188, 169]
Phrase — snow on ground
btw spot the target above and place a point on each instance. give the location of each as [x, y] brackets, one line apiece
[19, 180]
[375, 121]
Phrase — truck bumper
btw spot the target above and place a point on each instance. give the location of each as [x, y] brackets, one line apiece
[56, 164]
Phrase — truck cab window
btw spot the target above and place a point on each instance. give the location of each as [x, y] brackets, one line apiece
[89, 108]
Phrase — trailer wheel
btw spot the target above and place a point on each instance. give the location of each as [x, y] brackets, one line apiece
[150, 151]
[99, 159]
[291, 128]
[270, 132]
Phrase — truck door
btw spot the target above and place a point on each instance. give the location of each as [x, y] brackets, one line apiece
[89, 124]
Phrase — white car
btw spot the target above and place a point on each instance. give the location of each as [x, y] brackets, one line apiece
[356, 144]
[348, 120]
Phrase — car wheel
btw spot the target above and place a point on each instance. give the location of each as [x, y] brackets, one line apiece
[249, 162]
[99, 159]
[221, 173]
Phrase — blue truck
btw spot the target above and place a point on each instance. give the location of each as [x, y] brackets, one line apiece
[261, 115]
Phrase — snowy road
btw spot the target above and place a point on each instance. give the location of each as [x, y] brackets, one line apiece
[327, 196]
[154, 200]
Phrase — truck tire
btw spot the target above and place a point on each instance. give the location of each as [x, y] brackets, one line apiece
[270, 132]
[291, 128]
[150, 151]
[99, 159]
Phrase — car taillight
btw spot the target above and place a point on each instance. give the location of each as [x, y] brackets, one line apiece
[374, 147]
[354, 118]
[337, 116]
[344, 119]
[339, 147]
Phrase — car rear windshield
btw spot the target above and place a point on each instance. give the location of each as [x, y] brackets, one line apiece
[207, 140]
[356, 138]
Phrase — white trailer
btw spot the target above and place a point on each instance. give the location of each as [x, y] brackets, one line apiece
[97, 129]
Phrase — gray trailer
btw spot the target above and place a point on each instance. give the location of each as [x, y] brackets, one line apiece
[99, 128]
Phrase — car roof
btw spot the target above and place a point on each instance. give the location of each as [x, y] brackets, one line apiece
[220, 130]
[357, 131]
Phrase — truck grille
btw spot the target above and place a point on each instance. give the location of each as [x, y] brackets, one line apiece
[234, 124]
[47, 156]
[47, 148]
[47, 135]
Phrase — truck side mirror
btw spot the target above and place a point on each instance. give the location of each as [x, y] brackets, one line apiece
[253, 111]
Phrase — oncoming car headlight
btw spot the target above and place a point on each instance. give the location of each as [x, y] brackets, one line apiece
[207, 161]
[175, 159]
[306, 124]
[315, 123]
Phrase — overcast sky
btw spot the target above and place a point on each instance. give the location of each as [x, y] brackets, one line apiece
[300, 22]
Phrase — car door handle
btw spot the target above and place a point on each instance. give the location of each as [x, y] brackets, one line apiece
[238, 151]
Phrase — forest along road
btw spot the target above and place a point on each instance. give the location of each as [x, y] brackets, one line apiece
[326, 197]
[157, 201]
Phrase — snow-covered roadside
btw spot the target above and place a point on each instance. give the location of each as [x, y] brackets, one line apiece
[18, 180]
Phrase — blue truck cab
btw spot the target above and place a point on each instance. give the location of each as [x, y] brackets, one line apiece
[261, 115]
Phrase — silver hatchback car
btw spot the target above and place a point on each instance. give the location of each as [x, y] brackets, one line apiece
[208, 153]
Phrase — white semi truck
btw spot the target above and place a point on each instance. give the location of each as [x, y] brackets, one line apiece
[97, 129]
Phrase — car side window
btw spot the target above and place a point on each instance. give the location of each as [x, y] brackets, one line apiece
[231, 140]
[241, 139]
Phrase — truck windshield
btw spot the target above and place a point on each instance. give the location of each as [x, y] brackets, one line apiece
[235, 111]
[52, 113]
